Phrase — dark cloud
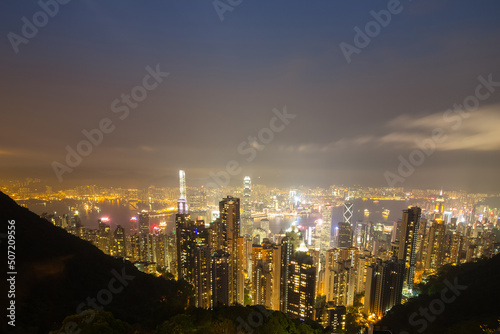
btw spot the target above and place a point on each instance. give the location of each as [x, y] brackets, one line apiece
[353, 120]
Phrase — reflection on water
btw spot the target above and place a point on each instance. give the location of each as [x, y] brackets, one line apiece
[119, 214]
[376, 211]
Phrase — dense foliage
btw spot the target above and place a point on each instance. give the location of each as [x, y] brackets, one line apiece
[476, 306]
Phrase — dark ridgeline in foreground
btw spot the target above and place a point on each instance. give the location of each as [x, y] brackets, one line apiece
[459, 299]
[57, 271]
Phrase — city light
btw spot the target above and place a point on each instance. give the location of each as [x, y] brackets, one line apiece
[238, 166]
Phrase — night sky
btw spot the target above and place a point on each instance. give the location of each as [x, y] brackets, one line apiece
[353, 120]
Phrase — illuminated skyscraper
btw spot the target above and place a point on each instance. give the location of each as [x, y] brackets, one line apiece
[220, 278]
[364, 260]
[185, 240]
[456, 248]
[362, 235]
[135, 248]
[334, 316]
[326, 229]
[340, 275]
[348, 212]
[182, 184]
[143, 222]
[246, 217]
[344, 235]
[301, 285]
[262, 258]
[440, 203]
[145, 245]
[119, 242]
[396, 231]
[182, 207]
[186, 244]
[435, 245]
[203, 285]
[287, 250]
[408, 244]
[160, 243]
[229, 209]
[244, 257]
[104, 235]
[384, 283]
[293, 199]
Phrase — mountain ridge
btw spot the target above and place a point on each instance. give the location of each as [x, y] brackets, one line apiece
[59, 274]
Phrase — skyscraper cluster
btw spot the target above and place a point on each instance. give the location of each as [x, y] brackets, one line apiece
[309, 272]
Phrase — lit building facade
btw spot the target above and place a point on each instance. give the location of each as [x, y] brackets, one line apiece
[408, 244]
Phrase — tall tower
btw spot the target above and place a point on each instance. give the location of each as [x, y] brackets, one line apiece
[325, 228]
[143, 222]
[202, 283]
[301, 285]
[182, 207]
[408, 244]
[183, 234]
[119, 242]
[440, 203]
[435, 245]
[144, 237]
[229, 209]
[348, 212]
[220, 263]
[383, 286]
[182, 183]
[286, 258]
[344, 235]
[246, 217]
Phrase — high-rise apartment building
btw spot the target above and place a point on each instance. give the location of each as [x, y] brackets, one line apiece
[344, 235]
[203, 279]
[384, 284]
[229, 209]
[287, 251]
[301, 286]
[435, 246]
[408, 244]
[119, 242]
[220, 277]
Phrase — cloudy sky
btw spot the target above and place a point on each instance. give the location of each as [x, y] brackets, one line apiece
[354, 121]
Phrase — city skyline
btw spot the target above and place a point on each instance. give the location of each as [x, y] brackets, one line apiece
[236, 166]
[227, 266]
[311, 254]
